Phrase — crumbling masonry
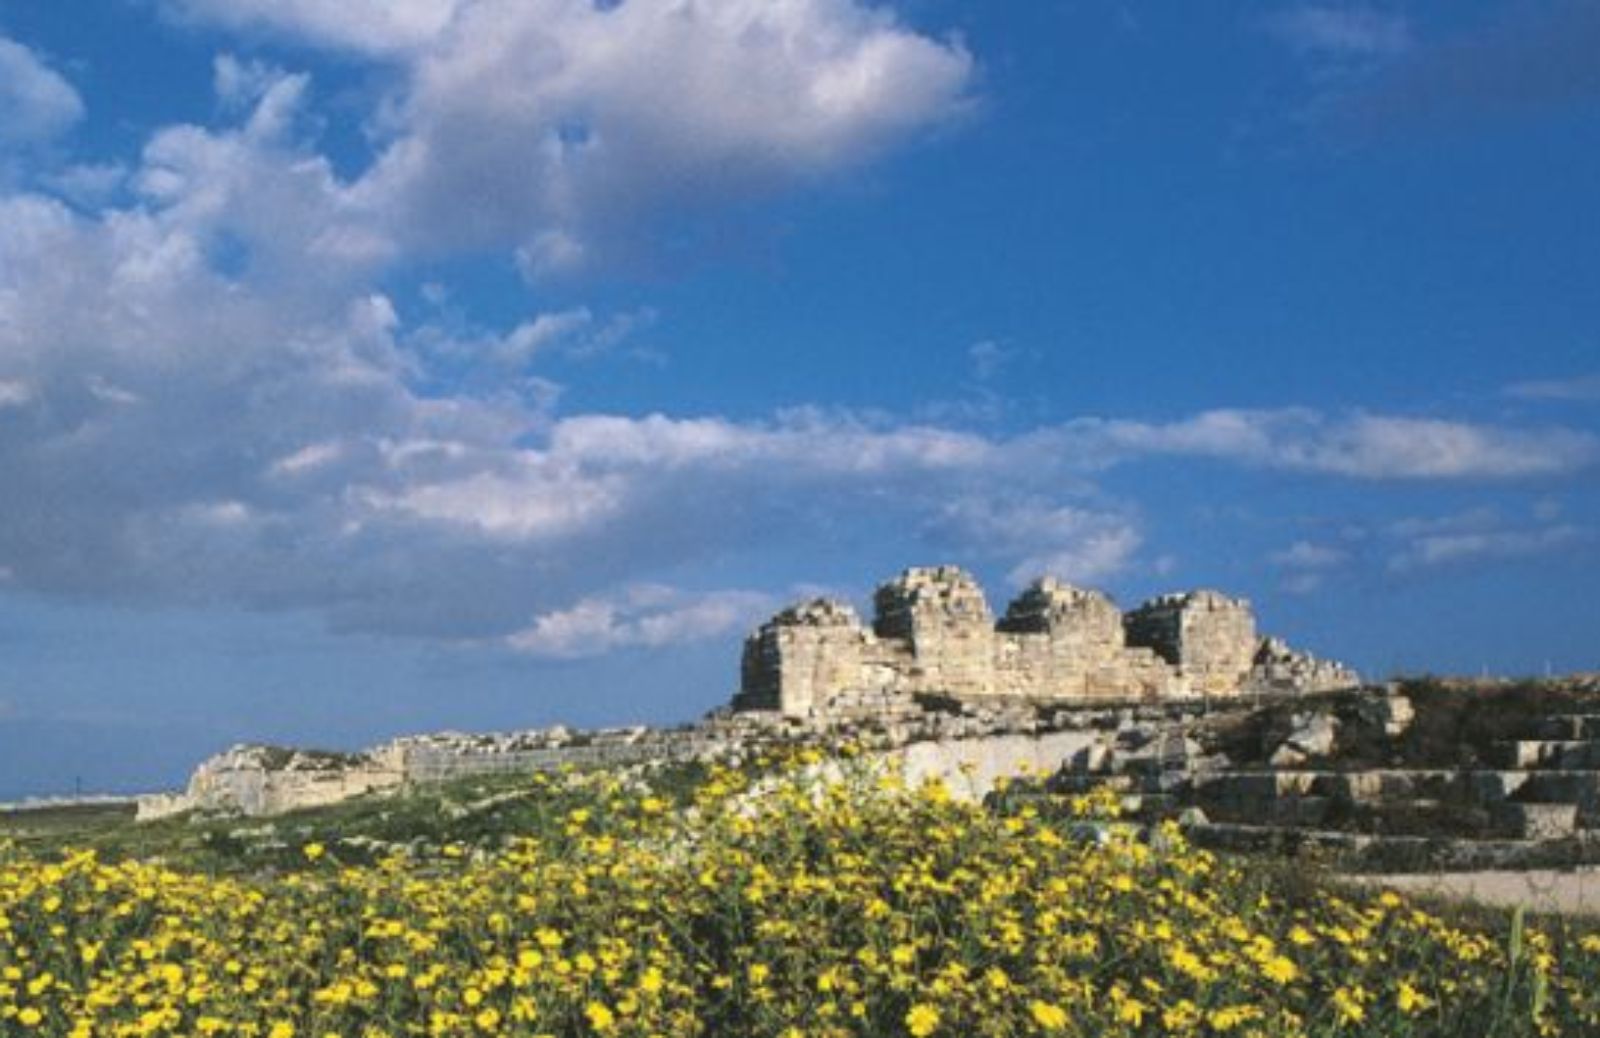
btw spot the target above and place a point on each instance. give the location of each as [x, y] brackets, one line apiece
[933, 634]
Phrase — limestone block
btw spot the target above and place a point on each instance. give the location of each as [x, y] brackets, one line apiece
[262, 780]
[1536, 821]
[1573, 754]
[1208, 636]
[1395, 713]
[1313, 735]
[973, 767]
[803, 657]
[1573, 787]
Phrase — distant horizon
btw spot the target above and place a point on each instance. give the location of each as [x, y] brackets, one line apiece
[371, 368]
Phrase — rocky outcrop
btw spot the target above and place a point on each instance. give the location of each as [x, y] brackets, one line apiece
[265, 780]
[1380, 778]
[933, 634]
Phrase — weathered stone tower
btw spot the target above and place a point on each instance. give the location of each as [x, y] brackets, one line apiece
[1209, 637]
[801, 658]
[1057, 641]
[941, 614]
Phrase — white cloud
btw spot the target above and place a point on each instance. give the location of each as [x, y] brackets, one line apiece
[36, 103]
[271, 448]
[241, 83]
[89, 185]
[1306, 555]
[575, 333]
[1580, 387]
[563, 128]
[1433, 550]
[644, 616]
[1342, 31]
[1359, 446]
[569, 131]
[1039, 537]
[378, 27]
[207, 394]
[14, 393]
[1307, 565]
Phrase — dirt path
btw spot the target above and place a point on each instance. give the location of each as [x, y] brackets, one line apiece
[1573, 892]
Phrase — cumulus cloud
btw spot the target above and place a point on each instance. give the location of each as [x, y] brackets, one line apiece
[276, 448]
[36, 103]
[569, 131]
[374, 27]
[206, 394]
[649, 616]
[560, 128]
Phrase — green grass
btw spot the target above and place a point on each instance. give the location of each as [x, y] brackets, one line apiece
[483, 812]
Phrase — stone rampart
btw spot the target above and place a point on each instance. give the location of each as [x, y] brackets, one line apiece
[934, 671]
[933, 634]
[1209, 638]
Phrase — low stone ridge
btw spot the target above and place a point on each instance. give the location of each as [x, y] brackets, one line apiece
[933, 634]
[1424, 775]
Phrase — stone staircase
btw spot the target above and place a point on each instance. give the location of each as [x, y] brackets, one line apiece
[1532, 800]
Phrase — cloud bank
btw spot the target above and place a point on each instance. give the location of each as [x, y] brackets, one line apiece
[208, 394]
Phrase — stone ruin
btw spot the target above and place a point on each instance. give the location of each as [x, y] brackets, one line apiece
[815, 667]
[933, 634]
[1426, 775]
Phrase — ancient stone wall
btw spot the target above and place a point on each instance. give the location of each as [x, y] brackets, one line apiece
[1209, 637]
[941, 616]
[933, 633]
[802, 657]
[1057, 641]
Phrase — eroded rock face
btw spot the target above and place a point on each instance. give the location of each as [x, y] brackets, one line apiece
[933, 634]
[1314, 735]
[264, 780]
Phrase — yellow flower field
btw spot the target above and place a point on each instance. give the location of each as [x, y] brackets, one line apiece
[783, 906]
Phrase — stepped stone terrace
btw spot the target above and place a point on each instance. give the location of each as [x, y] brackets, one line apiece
[933, 634]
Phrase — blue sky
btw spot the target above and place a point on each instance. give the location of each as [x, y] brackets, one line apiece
[372, 367]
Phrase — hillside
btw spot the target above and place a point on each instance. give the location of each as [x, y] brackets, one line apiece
[796, 897]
